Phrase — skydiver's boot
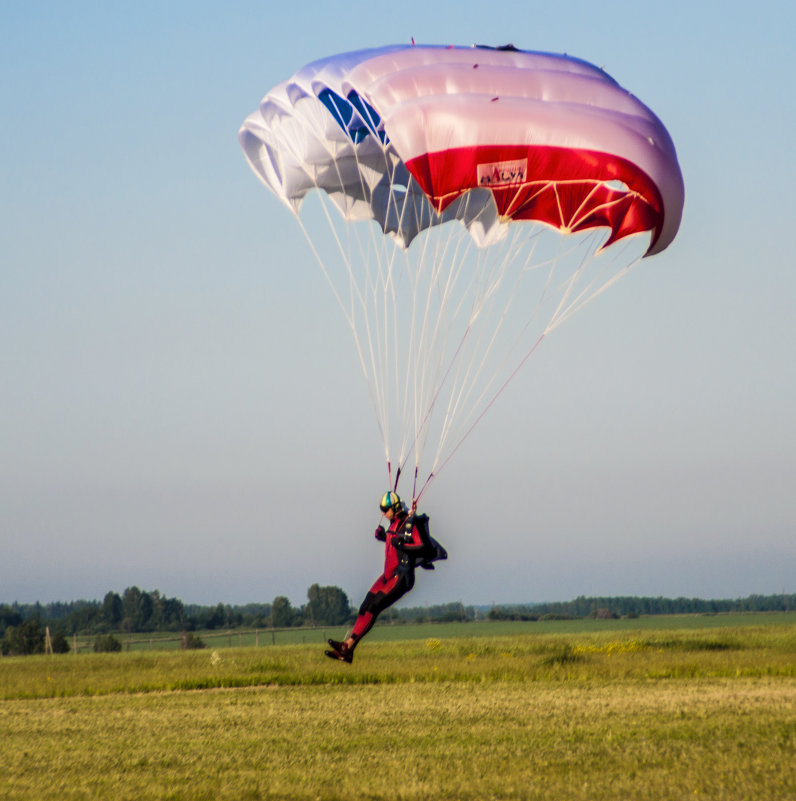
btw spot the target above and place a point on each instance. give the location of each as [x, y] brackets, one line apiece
[346, 655]
[341, 651]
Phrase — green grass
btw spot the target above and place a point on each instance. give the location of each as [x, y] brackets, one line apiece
[604, 712]
[409, 631]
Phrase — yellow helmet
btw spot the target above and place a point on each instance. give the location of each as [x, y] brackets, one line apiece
[391, 500]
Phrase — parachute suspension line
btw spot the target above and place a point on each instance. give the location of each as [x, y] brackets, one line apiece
[379, 288]
[354, 289]
[385, 286]
[520, 251]
[466, 372]
[355, 297]
[392, 278]
[437, 367]
[372, 390]
[358, 298]
[378, 337]
[288, 143]
[428, 270]
[324, 270]
[588, 293]
[412, 365]
[582, 299]
[434, 342]
[565, 309]
[436, 471]
[534, 240]
[418, 495]
[414, 491]
[517, 247]
[389, 348]
[430, 408]
[431, 343]
[569, 286]
[469, 373]
[349, 319]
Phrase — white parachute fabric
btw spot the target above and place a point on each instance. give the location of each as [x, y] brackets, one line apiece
[553, 182]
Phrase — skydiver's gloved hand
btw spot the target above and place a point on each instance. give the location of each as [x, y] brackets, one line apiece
[380, 534]
[396, 540]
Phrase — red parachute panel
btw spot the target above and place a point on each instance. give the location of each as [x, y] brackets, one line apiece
[570, 189]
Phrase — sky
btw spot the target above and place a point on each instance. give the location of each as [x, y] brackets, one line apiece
[180, 403]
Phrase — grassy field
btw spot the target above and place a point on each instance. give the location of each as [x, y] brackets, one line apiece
[598, 710]
[485, 628]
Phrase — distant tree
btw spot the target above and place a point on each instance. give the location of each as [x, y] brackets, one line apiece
[26, 638]
[328, 606]
[511, 613]
[60, 643]
[112, 609]
[8, 617]
[217, 618]
[173, 613]
[146, 608]
[131, 602]
[83, 616]
[255, 615]
[282, 613]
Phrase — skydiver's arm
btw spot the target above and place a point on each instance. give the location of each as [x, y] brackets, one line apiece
[406, 541]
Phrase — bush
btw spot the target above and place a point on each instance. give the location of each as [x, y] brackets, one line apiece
[603, 614]
[191, 641]
[60, 643]
[106, 643]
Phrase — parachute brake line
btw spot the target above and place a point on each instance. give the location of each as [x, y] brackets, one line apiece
[397, 476]
[416, 498]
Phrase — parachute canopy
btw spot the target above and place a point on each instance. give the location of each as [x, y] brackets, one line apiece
[401, 134]
[547, 171]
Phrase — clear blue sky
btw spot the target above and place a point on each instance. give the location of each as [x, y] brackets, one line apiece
[180, 405]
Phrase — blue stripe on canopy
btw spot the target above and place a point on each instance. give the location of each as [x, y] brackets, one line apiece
[354, 115]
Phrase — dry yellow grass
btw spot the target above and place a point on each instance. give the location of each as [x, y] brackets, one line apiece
[667, 740]
[594, 718]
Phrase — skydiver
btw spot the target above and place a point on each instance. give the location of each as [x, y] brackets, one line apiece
[407, 545]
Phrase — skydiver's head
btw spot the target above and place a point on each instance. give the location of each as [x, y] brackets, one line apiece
[391, 502]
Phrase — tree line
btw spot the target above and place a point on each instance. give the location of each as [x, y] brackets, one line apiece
[23, 626]
[634, 606]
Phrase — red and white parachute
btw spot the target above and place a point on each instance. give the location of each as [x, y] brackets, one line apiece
[560, 181]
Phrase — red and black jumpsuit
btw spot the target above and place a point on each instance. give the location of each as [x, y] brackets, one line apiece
[401, 544]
